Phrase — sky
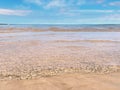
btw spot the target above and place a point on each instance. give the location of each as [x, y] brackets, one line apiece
[60, 11]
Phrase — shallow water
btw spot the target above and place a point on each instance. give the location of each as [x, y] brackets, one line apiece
[56, 50]
[51, 36]
[59, 35]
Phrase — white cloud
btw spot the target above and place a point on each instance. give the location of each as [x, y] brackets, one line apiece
[64, 3]
[56, 3]
[115, 3]
[38, 2]
[76, 12]
[100, 1]
[80, 2]
[80, 13]
[14, 12]
[112, 17]
[69, 3]
[93, 11]
[109, 18]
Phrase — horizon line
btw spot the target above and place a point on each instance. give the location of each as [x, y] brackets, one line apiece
[59, 24]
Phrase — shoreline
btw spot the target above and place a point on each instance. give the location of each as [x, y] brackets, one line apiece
[97, 70]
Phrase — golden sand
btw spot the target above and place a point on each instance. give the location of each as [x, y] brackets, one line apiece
[66, 82]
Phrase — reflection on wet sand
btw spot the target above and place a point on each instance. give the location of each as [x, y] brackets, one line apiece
[57, 29]
[51, 57]
[72, 81]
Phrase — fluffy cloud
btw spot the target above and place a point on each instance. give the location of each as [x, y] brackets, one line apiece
[56, 3]
[62, 3]
[37, 2]
[69, 3]
[14, 12]
[78, 12]
[109, 19]
[115, 17]
[94, 11]
[100, 1]
[115, 3]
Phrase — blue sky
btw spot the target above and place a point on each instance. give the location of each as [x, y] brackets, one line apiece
[60, 11]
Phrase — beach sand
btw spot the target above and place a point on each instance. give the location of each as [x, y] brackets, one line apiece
[44, 63]
[73, 81]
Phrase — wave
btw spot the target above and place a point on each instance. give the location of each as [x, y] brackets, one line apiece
[57, 29]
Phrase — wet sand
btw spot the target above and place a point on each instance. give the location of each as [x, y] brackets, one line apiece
[66, 82]
[54, 61]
